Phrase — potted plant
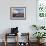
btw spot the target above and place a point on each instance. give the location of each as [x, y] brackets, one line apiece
[39, 35]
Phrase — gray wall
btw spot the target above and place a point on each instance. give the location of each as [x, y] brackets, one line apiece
[24, 25]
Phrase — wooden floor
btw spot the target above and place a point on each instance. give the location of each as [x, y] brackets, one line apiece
[13, 44]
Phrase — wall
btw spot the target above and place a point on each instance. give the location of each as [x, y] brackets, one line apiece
[24, 25]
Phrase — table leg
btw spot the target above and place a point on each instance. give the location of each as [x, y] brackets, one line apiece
[5, 40]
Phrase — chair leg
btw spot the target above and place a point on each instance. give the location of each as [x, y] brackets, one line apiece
[5, 43]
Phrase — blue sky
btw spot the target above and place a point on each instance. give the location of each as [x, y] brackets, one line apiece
[20, 10]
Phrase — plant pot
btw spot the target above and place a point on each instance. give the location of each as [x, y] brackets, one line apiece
[40, 41]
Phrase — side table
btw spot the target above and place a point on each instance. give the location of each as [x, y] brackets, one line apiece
[8, 34]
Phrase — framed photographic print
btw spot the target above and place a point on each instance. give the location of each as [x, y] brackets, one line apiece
[41, 12]
[18, 13]
[41, 9]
